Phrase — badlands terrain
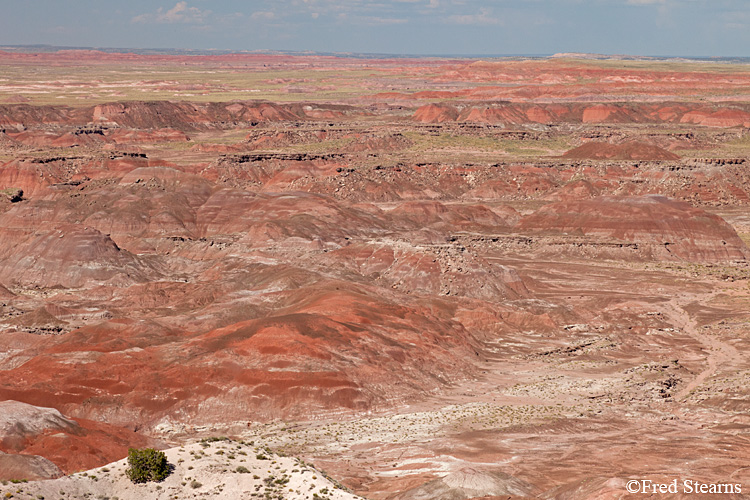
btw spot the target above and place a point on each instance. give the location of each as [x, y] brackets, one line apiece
[409, 278]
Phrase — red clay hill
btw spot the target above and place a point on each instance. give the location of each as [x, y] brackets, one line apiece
[632, 150]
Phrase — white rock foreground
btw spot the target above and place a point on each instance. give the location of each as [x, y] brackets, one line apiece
[208, 469]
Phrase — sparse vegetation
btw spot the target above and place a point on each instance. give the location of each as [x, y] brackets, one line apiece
[147, 465]
[12, 194]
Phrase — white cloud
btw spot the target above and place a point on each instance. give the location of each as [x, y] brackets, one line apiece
[736, 20]
[374, 20]
[262, 15]
[180, 13]
[483, 18]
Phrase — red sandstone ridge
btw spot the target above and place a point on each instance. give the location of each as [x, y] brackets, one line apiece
[632, 150]
[516, 113]
[663, 228]
[184, 116]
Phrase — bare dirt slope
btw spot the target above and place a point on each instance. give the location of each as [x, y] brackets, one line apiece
[209, 469]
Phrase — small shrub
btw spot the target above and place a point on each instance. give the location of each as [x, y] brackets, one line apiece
[195, 484]
[13, 194]
[214, 439]
[242, 469]
[147, 465]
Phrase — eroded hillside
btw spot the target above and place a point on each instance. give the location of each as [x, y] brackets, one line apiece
[429, 293]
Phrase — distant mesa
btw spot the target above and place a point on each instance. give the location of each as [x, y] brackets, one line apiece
[631, 150]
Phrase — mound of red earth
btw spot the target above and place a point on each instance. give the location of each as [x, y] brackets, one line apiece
[660, 227]
[632, 150]
[67, 256]
[29, 432]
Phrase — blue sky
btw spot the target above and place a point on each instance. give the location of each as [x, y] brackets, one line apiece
[638, 27]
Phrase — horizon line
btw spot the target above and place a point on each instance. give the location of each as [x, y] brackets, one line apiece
[29, 48]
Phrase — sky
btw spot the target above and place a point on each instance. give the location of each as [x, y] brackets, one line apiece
[700, 28]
